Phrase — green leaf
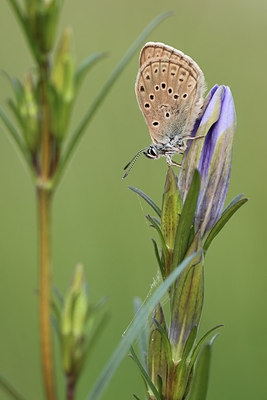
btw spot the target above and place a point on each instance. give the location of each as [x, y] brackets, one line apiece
[160, 263]
[147, 199]
[163, 244]
[187, 301]
[145, 375]
[201, 341]
[6, 386]
[200, 381]
[232, 202]
[143, 334]
[190, 342]
[165, 340]
[25, 27]
[186, 221]
[171, 208]
[103, 93]
[138, 323]
[85, 67]
[226, 215]
[17, 139]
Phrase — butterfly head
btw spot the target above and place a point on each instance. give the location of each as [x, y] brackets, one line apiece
[152, 152]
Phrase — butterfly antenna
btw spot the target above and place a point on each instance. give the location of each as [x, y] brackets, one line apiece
[132, 162]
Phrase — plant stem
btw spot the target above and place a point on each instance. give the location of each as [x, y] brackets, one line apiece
[44, 197]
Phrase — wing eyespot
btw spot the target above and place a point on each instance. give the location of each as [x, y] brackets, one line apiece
[176, 96]
[147, 105]
[170, 90]
[163, 85]
[157, 87]
[155, 123]
[152, 97]
[185, 95]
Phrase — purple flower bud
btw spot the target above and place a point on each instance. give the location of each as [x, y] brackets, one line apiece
[212, 156]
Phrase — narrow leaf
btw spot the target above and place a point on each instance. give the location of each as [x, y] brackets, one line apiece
[160, 263]
[145, 375]
[200, 381]
[17, 139]
[8, 388]
[104, 91]
[147, 199]
[226, 215]
[165, 340]
[163, 244]
[232, 202]
[201, 341]
[143, 334]
[186, 221]
[138, 323]
[85, 67]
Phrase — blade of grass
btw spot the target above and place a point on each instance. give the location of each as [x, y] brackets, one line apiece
[102, 94]
[8, 388]
[138, 323]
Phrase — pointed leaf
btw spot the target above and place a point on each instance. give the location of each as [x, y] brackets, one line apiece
[165, 340]
[160, 263]
[147, 199]
[201, 341]
[186, 221]
[132, 332]
[200, 381]
[17, 139]
[163, 244]
[190, 342]
[145, 375]
[226, 215]
[85, 67]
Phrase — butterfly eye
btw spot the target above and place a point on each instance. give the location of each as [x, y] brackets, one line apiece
[179, 142]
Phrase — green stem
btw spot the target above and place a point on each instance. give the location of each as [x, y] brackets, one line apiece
[44, 197]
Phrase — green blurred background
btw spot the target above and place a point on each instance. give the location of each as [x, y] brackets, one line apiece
[98, 221]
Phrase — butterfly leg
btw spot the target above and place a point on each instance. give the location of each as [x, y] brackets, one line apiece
[170, 162]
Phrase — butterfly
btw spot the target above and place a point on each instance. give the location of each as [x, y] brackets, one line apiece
[170, 90]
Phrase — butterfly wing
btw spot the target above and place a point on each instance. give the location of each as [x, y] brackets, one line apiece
[169, 89]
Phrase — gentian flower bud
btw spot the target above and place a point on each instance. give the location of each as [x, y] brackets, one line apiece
[212, 156]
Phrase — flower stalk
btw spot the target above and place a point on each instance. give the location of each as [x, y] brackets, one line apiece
[44, 198]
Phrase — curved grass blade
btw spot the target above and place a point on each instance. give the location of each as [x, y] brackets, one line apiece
[8, 388]
[226, 215]
[103, 92]
[138, 323]
[85, 66]
[147, 199]
[145, 375]
[143, 334]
